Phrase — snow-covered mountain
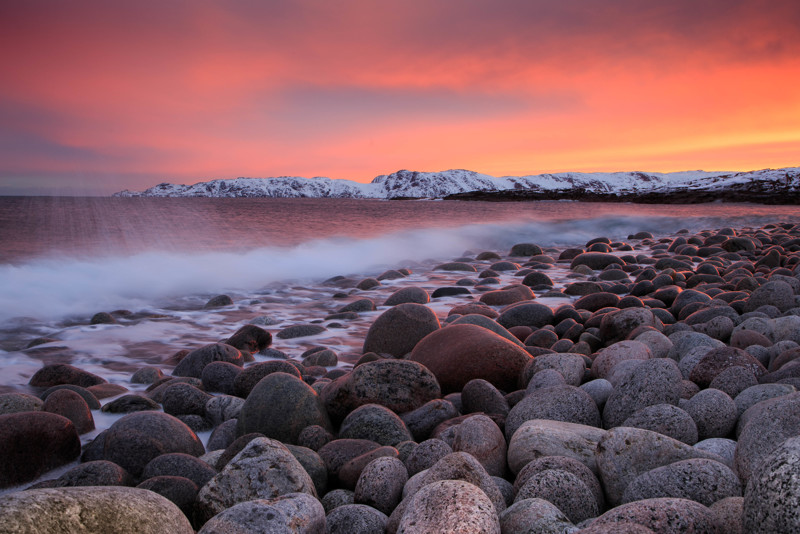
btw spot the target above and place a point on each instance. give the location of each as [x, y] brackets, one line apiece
[412, 184]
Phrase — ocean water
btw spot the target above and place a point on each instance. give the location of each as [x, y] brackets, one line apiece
[63, 259]
[155, 262]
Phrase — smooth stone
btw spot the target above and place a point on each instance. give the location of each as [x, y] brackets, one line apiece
[664, 515]
[294, 512]
[130, 404]
[479, 436]
[400, 385]
[424, 455]
[505, 296]
[562, 463]
[478, 395]
[350, 472]
[220, 377]
[563, 489]
[571, 366]
[541, 437]
[184, 399]
[422, 421]
[280, 406]
[624, 453]
[449, 506]
[559, 403]
[772, 497]
[95, 473]
[221, 408]
[181, 491]
[535, 516]
[525, 249]
[147, 375]
[380, 484]
[770, 423]
[398, 330]
[85, 394]
[356, 519]
[459, 353]
[714, 412]
[313, 464]
[658, 343]
[222, 436]
[595, 260]
[339, 452]
[91, 510]
[724, 448]
[417, 295]
[489, 324]
[72, 406]
[62, 373]
[179, 464]
[665, 419]
[19, 402]
[137, 438]
[193, 363]
[728, 513]
[246, 380]
[733, 381]
[760, 392]
[32, 443]
[617, 325]
[717, 360]
[264, 469]
[655, 381]
[599, 390]
[701, 480]
[250, 338]
[376, 423]
[530, 314]
[610, 356]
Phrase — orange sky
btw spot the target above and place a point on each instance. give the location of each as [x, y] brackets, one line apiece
[98, 96]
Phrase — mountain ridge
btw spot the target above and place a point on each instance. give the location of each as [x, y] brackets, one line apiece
[461, 183]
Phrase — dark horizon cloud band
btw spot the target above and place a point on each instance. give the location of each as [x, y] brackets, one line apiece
[100, 96]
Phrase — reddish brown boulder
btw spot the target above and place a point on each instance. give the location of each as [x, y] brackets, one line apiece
[507, 295]
[72, 406]
[32, 443]
[459, 353]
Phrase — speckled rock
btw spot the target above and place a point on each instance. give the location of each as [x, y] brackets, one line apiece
[72, 406]
[608, 357]
[449, 506]
[529, 516]
[356, 519]
[772, 498]
[714, 412]
[19, 402]
[479, 395]
[422, 421]
[426, 454]
[665, 515]
[294, 512]
[264, 469]
[563, 463]
[245, 381]
[665, 419]
[376, 423]
[652, 382]
[717, 360]
[702, 480]
[380, 484]
[479, 436]
[62, 373]
[565, 490]
[280, 407]
[397, 330]
[571, 366]
[624, 453]
[542, 437]
[179, 464]
[91, 510]
[558, 403]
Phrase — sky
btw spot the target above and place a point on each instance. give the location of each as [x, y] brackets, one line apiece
[100, 96]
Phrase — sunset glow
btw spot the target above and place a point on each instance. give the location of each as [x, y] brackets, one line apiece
[100, 96]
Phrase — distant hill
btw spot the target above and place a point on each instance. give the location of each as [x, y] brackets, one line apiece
[780, 186]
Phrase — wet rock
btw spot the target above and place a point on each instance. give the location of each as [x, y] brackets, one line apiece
[62, 373]
[181, 491]
[398, 330]
[293, 512]
[102, 510]
[416, 295]
[280, 406]
[323, 358]
[130, 404]
[530, 314]
[181, 465]
[525, 249]
[137, 438]
[507, 295]
[147, 375]
[95, 473]
[245, 381]
[478, 395]
[222, 436]
[350, 472]
[617, 325]
[313, 465]
[773, 293]
[339, 452]
[221, 408]
[86, 395]
[19, 402]
[32, 443]
[218, 302]
[264, 469]
[250, 338]
[194, 362]
[596, 301]
[702, 480]
[595, 260]
[486, 322]
[72, 406]
[460, 353]
[300, 330]
[184, 399]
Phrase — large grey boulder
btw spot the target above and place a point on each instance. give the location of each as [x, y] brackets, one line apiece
[772, 497]
[298, 513]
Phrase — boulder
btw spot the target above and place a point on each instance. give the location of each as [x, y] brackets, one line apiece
[398, 330]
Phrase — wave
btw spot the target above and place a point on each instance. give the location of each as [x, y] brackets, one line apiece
[58, 287]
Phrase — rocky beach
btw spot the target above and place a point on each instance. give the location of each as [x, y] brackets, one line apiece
[639, 385]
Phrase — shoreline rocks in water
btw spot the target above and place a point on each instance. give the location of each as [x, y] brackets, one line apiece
[649, 386]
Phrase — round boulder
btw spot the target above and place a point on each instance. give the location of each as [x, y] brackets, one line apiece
[397, 330]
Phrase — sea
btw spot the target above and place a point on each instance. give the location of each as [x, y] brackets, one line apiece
[155, 262]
